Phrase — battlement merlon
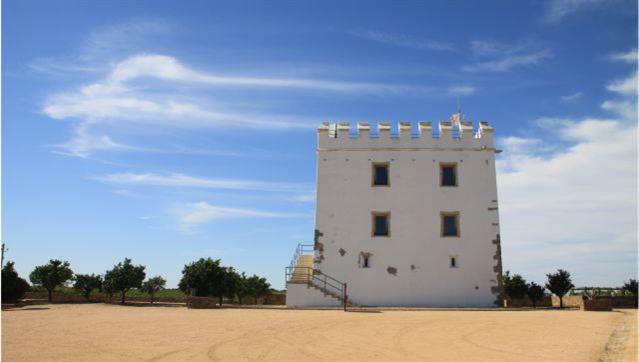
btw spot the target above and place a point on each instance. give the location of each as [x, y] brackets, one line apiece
[453, 134]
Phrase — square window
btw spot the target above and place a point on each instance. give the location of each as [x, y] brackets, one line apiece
[381, 224]
[448, 174]
[450, 224]
[380, 174]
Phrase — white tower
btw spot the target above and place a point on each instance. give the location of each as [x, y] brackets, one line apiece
[406, 220]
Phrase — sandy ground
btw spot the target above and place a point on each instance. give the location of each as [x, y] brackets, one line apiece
[98, 332]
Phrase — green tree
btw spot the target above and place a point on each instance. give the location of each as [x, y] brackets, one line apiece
[86, 283]
[559, 284]
[123, 277]
[153, 285]
[514, 286]
[230, 283]
[52, 275]
[203, 278]
[13, 287]
[242, 288]
[535, 293]
[258, 287]
[631, 287]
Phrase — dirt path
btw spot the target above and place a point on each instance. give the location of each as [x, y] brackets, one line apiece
[97, 332]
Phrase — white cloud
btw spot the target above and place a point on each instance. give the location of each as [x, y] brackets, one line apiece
[492, 48]
[142, 89]
[571, 97]
[402, 40]
[626, 106]
[556, 10]
[305, 197]
[506, 63]
[84, 143]
[625, 87]
[575, 207]
[182, 180]
[461, 90]
[192, 214]
[628, 57]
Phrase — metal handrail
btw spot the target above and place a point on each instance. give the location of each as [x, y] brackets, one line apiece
[301, 249]
[319, 279]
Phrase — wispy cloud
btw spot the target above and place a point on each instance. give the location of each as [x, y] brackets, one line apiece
[141, 90]
[628, 57]
[193, 214]
[626, 104]
[571, 97]
[491, 48]
[182, 180]
[507, 63]
[556, 10]
[402, 40]
[461, 90]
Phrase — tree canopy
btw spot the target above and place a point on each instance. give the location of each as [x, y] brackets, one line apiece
[153, 285]
[514, 286]
[123, 277]
[51, 275]
[86, 283]
[13, 287]
[559, 283]
[535, 293]
[258, 287]
[203, 278]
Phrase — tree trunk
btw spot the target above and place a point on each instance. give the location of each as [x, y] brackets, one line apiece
[50, 291]
[221, 301]
[561, 302]
[122, 300]
[152, 297]
[239, 299]
[534, 304]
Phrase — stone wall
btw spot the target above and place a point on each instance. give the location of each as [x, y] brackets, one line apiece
[96, 298]
[201, 302]
[546, 301]
[597, 304]
[569, 301]
[271, 299]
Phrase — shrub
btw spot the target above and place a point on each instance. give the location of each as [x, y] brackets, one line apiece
[13, 287]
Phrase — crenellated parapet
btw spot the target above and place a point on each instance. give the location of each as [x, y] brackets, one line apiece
[455, 133]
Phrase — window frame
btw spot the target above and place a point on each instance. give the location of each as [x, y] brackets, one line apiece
[444, 214]
[374, 166]
[443, 165]
[374, 214]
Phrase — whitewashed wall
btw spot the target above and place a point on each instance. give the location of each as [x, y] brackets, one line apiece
[345, 200]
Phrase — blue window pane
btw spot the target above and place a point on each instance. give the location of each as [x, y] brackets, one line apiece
[381, 225]
[450, 226]
[381, 175]
[449, 178]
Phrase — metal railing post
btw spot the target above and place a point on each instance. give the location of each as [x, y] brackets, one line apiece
[345, 297]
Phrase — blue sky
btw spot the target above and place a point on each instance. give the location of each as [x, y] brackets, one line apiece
[169, 131]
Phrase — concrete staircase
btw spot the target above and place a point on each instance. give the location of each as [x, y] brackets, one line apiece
[303, 272]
